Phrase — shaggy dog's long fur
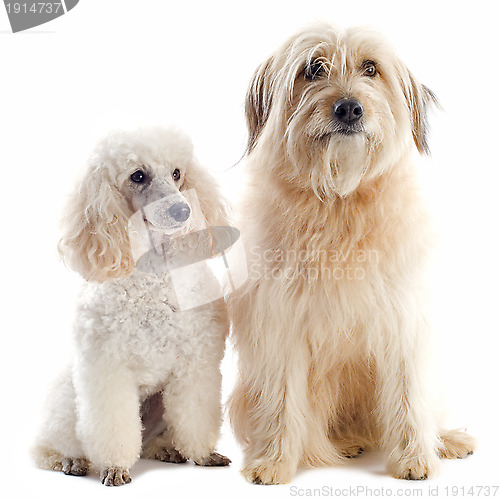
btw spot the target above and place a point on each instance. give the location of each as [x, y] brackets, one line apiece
[132, 346]
[331, 327]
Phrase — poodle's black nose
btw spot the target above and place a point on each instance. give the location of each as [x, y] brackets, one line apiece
[348, 111]
[180, 212]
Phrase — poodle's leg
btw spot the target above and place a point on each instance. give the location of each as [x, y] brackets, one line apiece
[409, 427]
[57, 446]
[156, 440]
[193, 413]
[109, 423]
[162, 448]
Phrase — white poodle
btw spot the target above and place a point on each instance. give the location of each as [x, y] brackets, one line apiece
[145, 381]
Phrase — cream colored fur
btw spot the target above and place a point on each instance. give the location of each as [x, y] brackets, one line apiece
[130, 340]
[331, 328]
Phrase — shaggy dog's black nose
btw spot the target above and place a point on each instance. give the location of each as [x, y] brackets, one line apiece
[180, 212]
[348, 111]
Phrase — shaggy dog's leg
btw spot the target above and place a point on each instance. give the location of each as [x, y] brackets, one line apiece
[277, 413]
[109, 423]
[409, 426]
[351, 385]
[57, 446]
[193, 413]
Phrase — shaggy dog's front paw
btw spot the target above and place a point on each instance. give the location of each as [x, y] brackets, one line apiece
[352, 451]
[414, 467]
[213, 460]
[263, 471]
[115, 476]
[75, 466]
[456, 444]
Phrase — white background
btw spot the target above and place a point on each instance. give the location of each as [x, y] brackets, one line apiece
[111, 63]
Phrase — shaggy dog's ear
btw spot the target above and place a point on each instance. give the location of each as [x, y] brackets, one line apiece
[418, 98]
[258, 102]
[95, 241]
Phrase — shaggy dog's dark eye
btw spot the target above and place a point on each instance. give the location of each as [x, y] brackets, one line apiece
[138, 177]
[176, 174]
[314, 69]
[369, 69]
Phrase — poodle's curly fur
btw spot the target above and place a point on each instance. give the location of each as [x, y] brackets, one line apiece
[133, 347]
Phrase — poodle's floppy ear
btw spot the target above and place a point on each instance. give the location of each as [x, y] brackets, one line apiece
[258, 101]
[212, 204]
[418, 98]
[95, 241]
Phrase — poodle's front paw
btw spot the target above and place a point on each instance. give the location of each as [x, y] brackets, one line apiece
[75, 466]
[115, 476]
[264, 471]
[213, 460]
[416, 466]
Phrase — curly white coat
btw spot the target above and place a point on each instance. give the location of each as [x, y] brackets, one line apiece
[131, 341]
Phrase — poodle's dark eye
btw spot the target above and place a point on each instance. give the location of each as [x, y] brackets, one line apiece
[138, 177]
[315, 69]
[369, 69]
[176, 174]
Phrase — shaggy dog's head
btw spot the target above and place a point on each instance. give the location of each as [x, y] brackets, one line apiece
[146, 170]
[330, 110]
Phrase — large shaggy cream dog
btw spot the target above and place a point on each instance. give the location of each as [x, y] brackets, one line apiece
[133, 344]
[331, 327]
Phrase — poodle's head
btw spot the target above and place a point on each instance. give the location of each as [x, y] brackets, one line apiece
[131, 171]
